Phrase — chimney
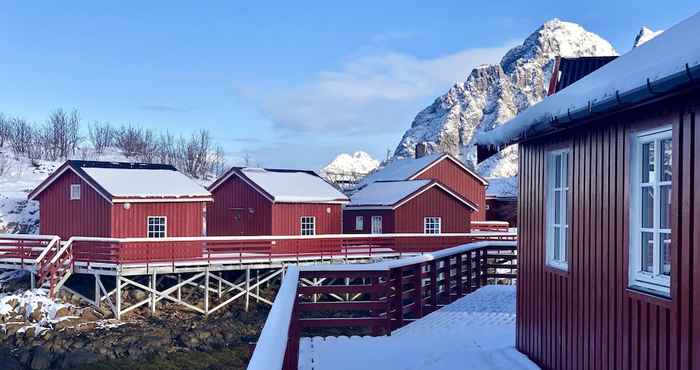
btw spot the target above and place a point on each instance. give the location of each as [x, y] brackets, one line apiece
[421, 150]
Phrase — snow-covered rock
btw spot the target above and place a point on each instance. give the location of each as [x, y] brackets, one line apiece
[644, 35]
[359, 163]
[493, 94]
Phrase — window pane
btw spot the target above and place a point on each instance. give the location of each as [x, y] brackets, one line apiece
[564, 169]
[666, 160]
[666, 253]
[647, 207]
[557, 171]
[557, 206]
[565, 196]
[647, 252]
[665, 194]
[647, 162]
[557, 244]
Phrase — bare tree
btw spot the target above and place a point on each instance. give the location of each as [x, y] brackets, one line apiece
[101, 136]
[5, 129]
[61, 134]
[21, 136]
[128, 140]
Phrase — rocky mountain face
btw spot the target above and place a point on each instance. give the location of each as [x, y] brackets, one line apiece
[357, 163]
[492, 94]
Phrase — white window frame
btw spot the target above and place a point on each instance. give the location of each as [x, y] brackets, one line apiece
[377, 225]
[75, 192]
[432, 225]
[655, 280]
[560, 261]
[155, 232]
[305, 222]
[359, 223]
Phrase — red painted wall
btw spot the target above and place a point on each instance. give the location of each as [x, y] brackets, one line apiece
[461, 182]
[89, 216]
[286, 218]
[434, 202]
[184, 218]
[234, 193]
[349, 220]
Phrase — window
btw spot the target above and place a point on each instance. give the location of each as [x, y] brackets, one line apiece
[376, 224]
[308, 225]
[359, 223]
[157, 227]
[75, 192]
[557, 208]
[650, 210]
[432, 225]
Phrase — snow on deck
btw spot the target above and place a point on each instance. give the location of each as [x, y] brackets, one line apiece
[137, 182]
[476, 332]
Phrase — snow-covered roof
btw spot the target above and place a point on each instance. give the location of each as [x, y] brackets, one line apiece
[664, 63]
[124, 181]
[406, 169]
[502, 187]
[395, 193]
[386, 193]
[291, 186]
[145, 183]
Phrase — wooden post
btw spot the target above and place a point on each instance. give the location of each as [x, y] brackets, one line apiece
[98, 298]
[118, 298]
[470, 261]
[206, 292]
[398, 298]
[179, 287]
[418, 290]
[482, 268]
[32, 280]
[153, 286]
[434, 284]
[257, 286]
[459, 288]
[247, 288]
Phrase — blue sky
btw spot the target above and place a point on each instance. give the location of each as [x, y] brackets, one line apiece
[290, 83]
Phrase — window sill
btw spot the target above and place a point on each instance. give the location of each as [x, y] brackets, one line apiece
[650, 295]
[557, 268]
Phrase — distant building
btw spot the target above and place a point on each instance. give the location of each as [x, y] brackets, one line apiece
[257, 201]
[111, 199]
[409, 206]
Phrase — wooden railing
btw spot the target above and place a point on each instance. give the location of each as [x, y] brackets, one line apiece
[377, 298]
[266, 248]
[490, 226]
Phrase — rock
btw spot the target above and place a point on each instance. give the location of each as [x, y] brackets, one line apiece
[41, 359]
[106, 312]
[36, 314]
[138, 295]
[75, 299]
[88, 314]
[62, 312]
[13, 302]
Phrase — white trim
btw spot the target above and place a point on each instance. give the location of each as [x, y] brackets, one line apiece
[433, 219]
[161, 200]
[359, 223]
[75, 192]
[148, 224]
[53, 178]
[405, 200]
[374, 231]
[301, 225]
[459, 163]
[368, 208]
[654, 280]
[563, 190]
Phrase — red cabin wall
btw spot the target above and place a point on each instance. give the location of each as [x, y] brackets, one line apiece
[460, 181]
[89, 216]
[498, 209]
[349, 220]
[238, 209]
[286, 218]
[183, 218]
[434, 202]
[587, 317]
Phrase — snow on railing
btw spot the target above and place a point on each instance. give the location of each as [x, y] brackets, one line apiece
[270, 350]
[391, 293]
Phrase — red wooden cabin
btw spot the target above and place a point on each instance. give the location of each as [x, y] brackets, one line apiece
[449, 171]
[414, 206]
[257, 201]
[110, 199]
[609, 224]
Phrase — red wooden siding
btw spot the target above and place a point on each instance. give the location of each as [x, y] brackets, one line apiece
[183, 218]
[461, 182]
[502, 210]
[587, 318]
[434, 202]
[286, 218]
[349, 221]
[89, 216]
[238, 209]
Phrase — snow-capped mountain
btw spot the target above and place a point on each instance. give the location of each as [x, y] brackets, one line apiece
[492, 94]
[359, 163]
[645, 34]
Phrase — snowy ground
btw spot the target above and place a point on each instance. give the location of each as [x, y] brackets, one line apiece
[476, 332]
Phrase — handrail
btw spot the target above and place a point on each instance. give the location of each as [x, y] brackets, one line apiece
[425, 257]
[55, 239]
[270, 350]
[61, 251]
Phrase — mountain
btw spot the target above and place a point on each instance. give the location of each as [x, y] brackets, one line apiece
[492, 94]
[645, 34]
[359, 163]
